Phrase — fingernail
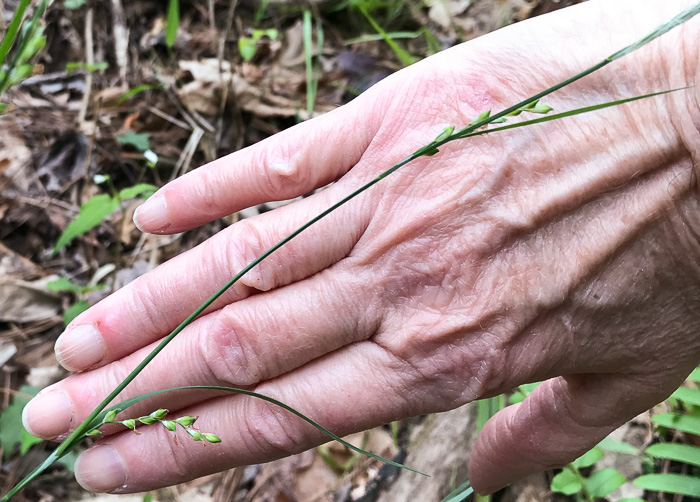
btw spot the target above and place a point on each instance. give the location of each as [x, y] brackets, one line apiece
[100, 469]
[152, 215]
[48, 415]
[80, 348]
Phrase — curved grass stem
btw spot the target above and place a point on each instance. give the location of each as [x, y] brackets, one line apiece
[473, 129]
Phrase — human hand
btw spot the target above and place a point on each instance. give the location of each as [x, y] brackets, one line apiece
[563, 252]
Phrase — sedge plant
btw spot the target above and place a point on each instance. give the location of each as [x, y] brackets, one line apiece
[479, 126]
[21, 42]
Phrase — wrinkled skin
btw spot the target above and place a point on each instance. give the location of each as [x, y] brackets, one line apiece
[565, 252]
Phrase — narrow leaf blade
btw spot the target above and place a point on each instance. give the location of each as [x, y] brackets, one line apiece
[688, 395]
[679, 452]
[173, 22]
[91, 214]
[670, 483]
[678, 421]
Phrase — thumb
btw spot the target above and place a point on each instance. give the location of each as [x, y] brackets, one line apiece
[559, 421]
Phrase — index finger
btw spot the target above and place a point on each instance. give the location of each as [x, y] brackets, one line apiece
[286, 165]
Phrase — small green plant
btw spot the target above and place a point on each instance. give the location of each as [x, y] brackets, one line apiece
[30, 42]
[13, 433]
[80, 305]
[365, 8]
[684, 420]
[433, 44]
[478, 127]
[96, 209]
[248, 46]
[140, 141]
[341, 468]
[599, 484]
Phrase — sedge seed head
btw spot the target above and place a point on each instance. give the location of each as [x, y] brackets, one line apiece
[196, 435]
[212, 438]
[186, 421]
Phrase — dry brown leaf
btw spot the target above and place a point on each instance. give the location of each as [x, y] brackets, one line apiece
[18, 266]
[203, 94]
[23, 301]
[14, 151]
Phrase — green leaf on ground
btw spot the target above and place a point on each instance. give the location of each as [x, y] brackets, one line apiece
[603, 482]
[610, 444]
[92, 213]
[27, 441]
[589, 458]
[74, 311]
[566, 482]
[670, 483]
[139, 141]
[142, 189]
[63, 284]
[11, 430]
[247, 47]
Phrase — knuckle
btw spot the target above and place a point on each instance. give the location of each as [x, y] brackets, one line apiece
[143, 304]
[229, 353]
[247, 244]
[281, 172]
[274, 430]
[207, 195]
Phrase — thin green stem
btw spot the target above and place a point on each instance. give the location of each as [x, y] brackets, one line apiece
[132, 401]
[402, 54]
[582, 481]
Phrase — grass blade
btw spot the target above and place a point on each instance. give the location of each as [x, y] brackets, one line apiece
[12, 30]
[311, 82]
[460, 493]
[173, 22]
[402, 54]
